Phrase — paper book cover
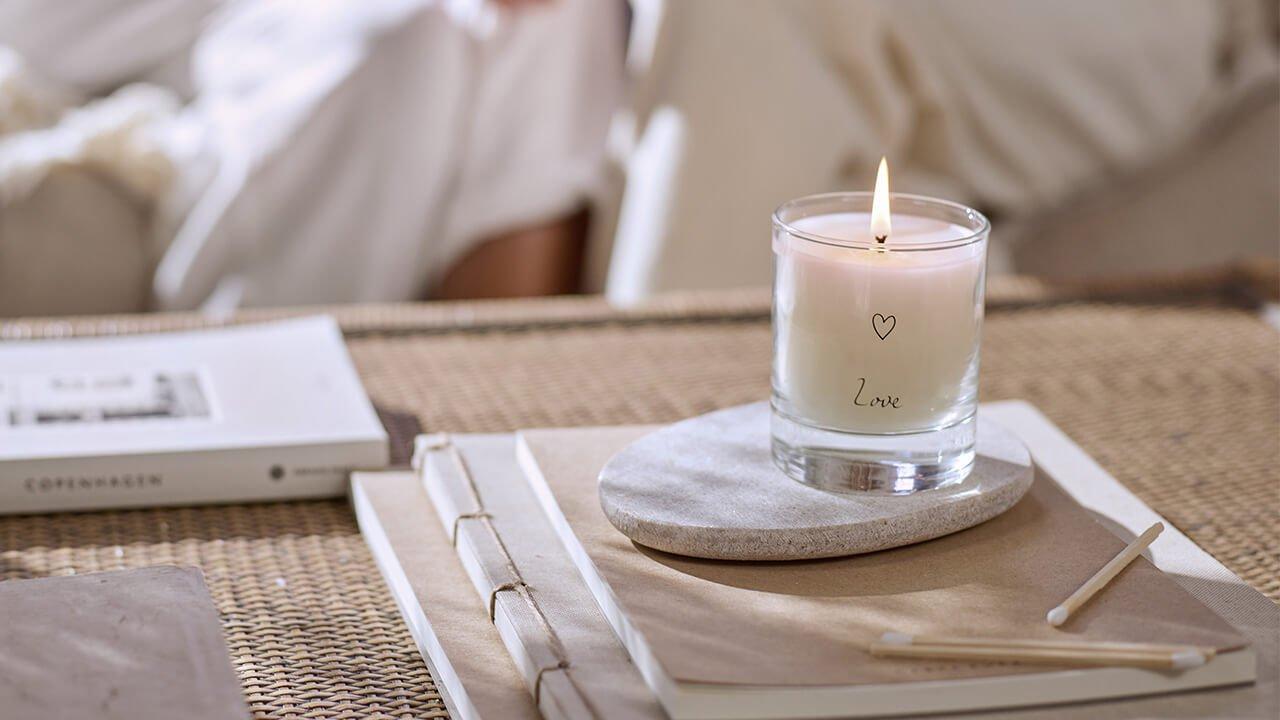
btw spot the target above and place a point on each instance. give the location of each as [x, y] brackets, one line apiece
[256, 412]
[757, 640]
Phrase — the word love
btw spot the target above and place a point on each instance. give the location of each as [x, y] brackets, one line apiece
[881, 401]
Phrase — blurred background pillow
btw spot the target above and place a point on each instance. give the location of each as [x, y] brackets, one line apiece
[1100, 137]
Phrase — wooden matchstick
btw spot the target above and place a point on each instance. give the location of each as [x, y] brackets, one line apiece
[1047, 656]
[1059, 614]
[897, 638]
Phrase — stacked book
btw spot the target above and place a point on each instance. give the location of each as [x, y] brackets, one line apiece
[270, 411]
[525, 601]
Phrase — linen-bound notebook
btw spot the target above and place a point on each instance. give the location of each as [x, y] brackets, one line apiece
[547, 617]
[449, 623]
[756, 640]
[142, 644]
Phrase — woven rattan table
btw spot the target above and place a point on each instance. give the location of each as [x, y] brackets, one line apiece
[1173, 386]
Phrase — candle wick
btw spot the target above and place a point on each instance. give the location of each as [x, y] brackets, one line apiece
[881, 238]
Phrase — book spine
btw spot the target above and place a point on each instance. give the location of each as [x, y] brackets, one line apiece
[525, 631]
[185, 478]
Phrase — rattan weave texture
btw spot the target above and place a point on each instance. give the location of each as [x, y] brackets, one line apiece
[1175, 390]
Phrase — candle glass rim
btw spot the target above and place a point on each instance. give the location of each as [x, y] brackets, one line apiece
[980, 227]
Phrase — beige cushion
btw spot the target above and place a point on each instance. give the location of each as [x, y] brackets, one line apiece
[76, 243]
[1213, 202]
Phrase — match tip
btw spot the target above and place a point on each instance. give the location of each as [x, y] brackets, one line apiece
[895, 638]
[1057, 616]
[1184, 659]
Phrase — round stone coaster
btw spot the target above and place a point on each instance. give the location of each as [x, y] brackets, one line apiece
[707, 487]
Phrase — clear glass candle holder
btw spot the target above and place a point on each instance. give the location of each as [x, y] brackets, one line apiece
[876, 343]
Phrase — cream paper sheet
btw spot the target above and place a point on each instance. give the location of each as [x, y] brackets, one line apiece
[802, 622]
[997, 579]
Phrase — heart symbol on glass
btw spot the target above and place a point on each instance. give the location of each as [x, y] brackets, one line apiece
[883, 324]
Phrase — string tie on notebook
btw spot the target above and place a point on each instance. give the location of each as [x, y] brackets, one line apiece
[537, 681]
[493, 595]
[453, 535]
[517, 585]
[424, 444]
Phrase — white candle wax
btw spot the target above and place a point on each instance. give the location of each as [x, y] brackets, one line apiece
[878, 339]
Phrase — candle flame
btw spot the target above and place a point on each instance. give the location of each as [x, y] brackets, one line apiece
[880, 226]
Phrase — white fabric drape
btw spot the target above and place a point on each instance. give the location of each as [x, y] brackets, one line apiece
[1011, 105]
[333, 150]
[365, 147]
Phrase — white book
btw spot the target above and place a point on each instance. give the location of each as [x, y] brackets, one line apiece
[651, 611]
[249, 413]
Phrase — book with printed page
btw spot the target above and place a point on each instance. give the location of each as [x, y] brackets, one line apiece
[716, 639]
[256, 412]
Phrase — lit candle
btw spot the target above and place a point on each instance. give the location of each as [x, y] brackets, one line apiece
[877, 316]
